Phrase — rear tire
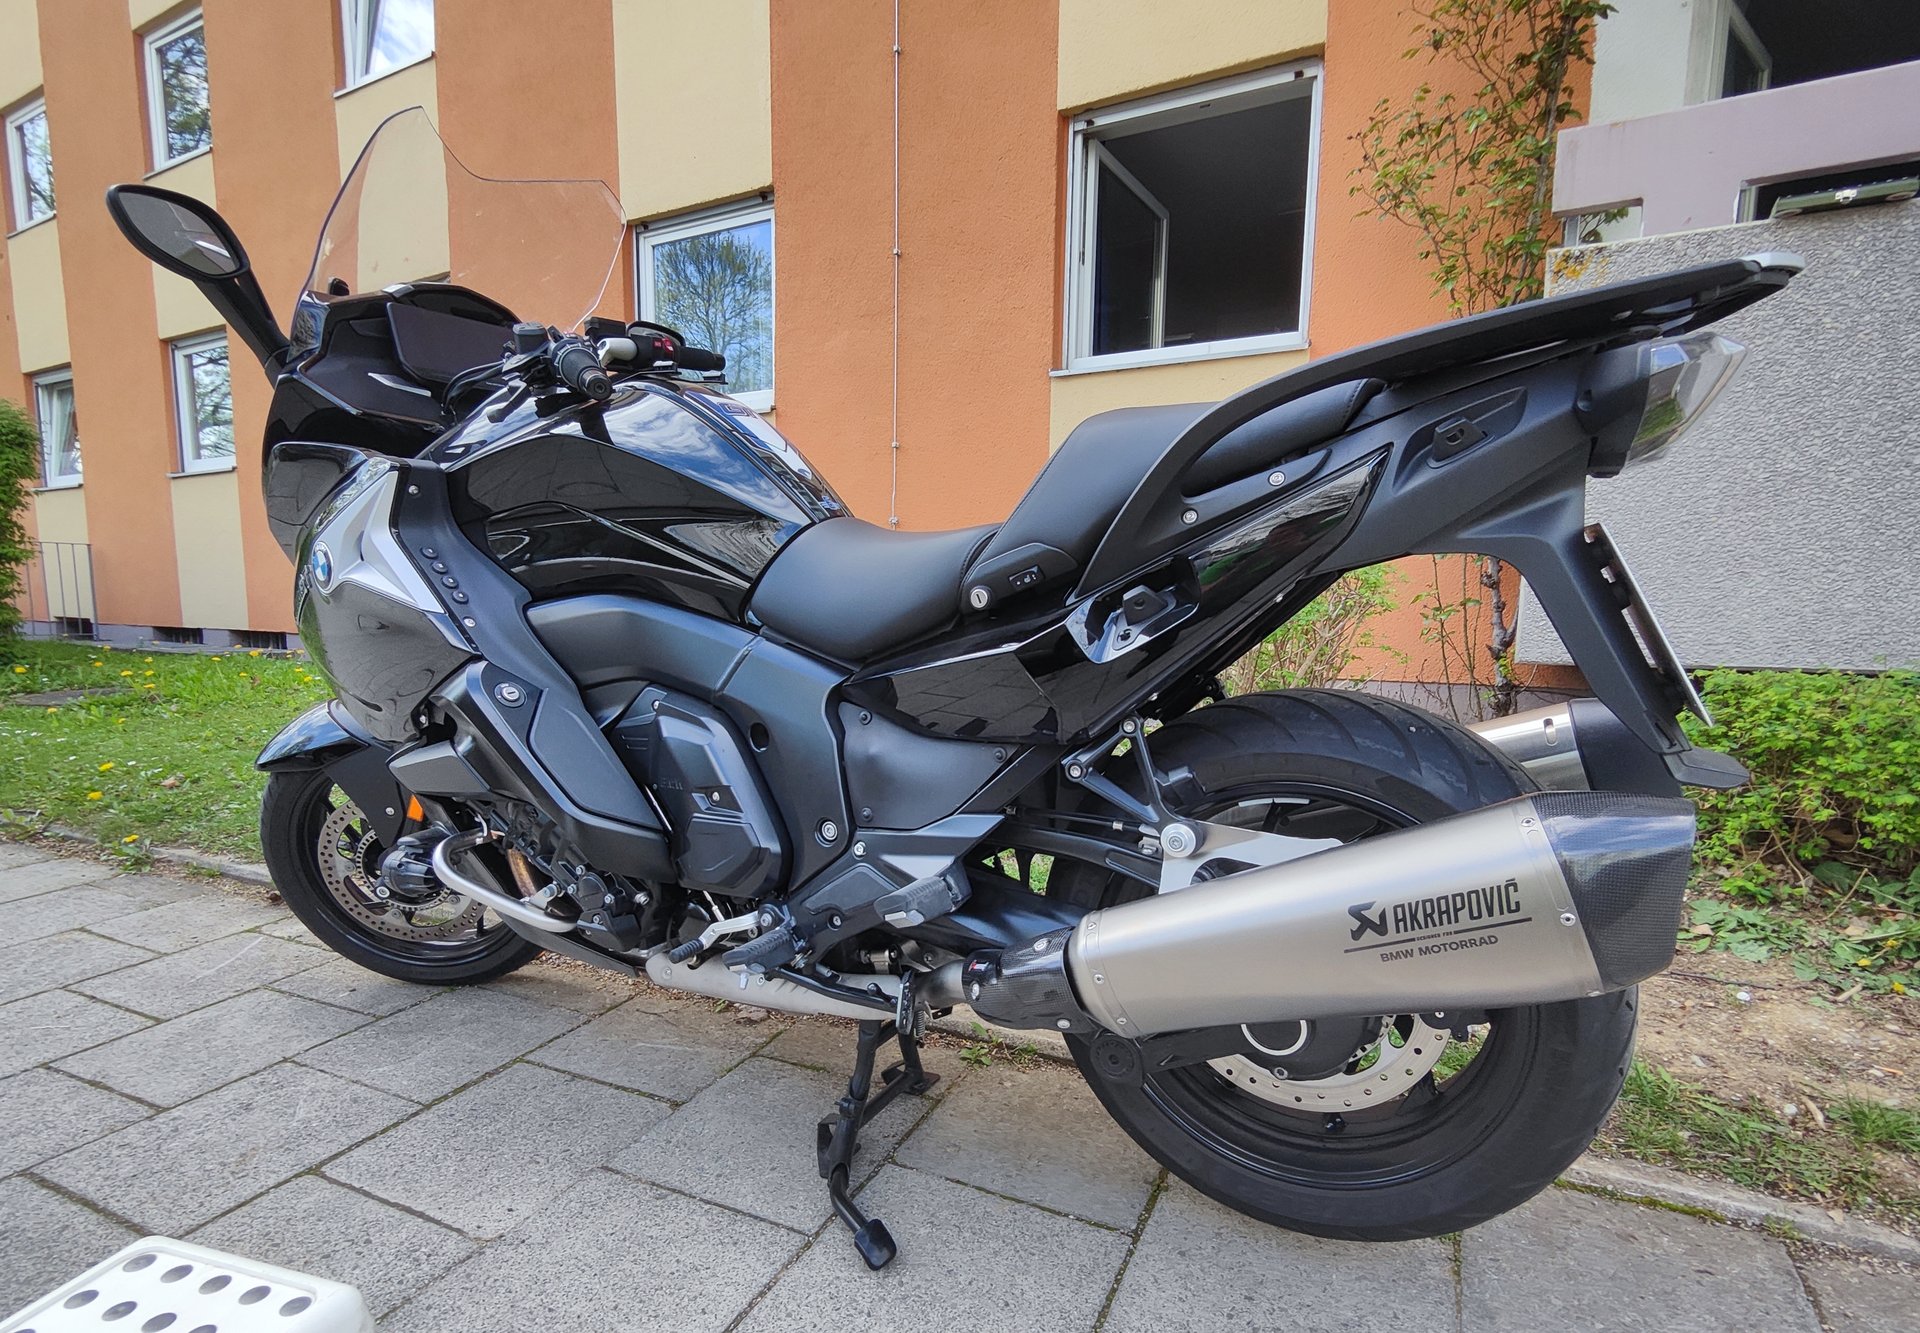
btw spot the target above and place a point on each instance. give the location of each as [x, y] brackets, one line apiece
[302, 820]
[1451, 1151]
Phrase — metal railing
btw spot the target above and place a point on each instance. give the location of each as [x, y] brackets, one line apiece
[56, 594]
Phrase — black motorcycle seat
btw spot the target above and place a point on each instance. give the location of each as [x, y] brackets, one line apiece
[851, 590]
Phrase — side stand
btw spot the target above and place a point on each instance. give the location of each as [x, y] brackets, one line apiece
[840, 1133]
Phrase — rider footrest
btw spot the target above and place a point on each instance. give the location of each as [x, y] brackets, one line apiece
[839, 1134]
[922, 900]
[764, 952]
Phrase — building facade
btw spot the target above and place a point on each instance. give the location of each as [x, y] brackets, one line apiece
[952, 231]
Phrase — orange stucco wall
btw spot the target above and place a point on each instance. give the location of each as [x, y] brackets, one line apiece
[122, 391]
[978, 184]
[274, 175]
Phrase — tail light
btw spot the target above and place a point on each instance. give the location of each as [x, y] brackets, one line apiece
[1684, 376]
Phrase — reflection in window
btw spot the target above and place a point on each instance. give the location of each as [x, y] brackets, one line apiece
[177, 107]
[203, 400]
[382, 35]
[711, 279]
[59, 429]
[30, 164]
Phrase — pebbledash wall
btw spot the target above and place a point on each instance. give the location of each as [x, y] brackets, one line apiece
[920, 162]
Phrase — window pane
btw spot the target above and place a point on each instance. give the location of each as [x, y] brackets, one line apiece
[717, 289]
[399, 32]
[182, 65]
[1233, 182]
[210, 408]
[1123, 295]
[59, 434]
[36, 167]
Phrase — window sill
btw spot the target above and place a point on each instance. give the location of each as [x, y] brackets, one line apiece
[202, 472]
[165, 167]
[37, 222]
[1175, 356]
[57, 486]
[372, 79]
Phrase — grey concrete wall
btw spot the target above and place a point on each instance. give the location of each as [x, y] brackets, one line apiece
[1783, 529]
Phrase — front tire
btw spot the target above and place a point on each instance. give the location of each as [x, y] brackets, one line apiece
[324, 860]
[1459, 1144]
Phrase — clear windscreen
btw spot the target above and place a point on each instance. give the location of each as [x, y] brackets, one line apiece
[410, 211]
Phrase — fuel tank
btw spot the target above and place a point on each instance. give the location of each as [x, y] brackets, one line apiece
[668, 491]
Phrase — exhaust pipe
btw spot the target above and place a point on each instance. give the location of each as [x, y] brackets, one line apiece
[1548, 897]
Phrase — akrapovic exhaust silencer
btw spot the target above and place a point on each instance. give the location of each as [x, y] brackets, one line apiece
[1548, 897]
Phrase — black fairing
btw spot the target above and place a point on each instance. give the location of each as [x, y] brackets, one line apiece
[667, 492]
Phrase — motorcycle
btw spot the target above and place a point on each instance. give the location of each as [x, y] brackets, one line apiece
[616, 674]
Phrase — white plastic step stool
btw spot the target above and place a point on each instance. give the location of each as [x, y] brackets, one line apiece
[157, 1284]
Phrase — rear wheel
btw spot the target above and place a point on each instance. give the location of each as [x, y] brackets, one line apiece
[325, 858]
[1431, 1124]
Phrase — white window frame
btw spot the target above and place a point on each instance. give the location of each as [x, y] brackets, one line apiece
[17, 164]
[356, 39]
[1086, 154]
[48, 379]
[646, 235]
[156, 100]
[1716, 24]
[186, 423]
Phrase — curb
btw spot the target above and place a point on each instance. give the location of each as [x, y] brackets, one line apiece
[244, 871]
[1659, 1186]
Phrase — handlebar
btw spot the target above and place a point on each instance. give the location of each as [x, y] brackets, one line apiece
[577, 365]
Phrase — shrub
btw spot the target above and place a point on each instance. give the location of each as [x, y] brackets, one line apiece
[1835, 799]
[1317, 646]
[19, 465]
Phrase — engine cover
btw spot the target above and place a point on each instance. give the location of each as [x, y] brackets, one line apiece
[726, 836]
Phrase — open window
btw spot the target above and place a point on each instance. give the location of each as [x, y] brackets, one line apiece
[59, 429]
[1191, 222]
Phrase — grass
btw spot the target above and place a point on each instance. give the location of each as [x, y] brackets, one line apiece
[1662, 1120]
[167, 757]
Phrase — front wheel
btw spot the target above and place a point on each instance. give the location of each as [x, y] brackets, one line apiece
[1432, 1125]
[324, 858]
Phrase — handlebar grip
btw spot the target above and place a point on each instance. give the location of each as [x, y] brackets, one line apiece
[699, 358]
[578, 367]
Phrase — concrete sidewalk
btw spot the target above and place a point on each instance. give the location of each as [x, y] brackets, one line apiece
[559, 1150]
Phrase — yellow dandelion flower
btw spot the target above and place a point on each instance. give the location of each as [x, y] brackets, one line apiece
[126, 673]
[119, 722]
[146, 659]
[107, 767]
[19, 671]
[99, 664]
[93, 796]
[254, 653]
[148, 686]
[130, 838]
[53, 710]
[1899, 989]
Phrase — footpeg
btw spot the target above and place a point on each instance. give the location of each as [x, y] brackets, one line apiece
[918, 902]
[839, 1134]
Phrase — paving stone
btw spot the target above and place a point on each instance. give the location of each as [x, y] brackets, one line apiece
[565, 984]
[966, 1259]
[47, 1113]
[15, 854]
[1863, 1296]
[429, 1050]
[1040, 1135]
[1568, 1260]
[670, 1048]
[197, 977]
[352, 986]
[181, 925]
[186, 1166]
[748, 1142]
[46, 876]
[51, 913]
[428, 1163]
[819, 1043]
[315, 1226]
[46, 1241]
[291, 928]
[48, 1026]
[155, 890]
[57, 960]
[1200, 1267]
[614, 1256]
[183, 1057]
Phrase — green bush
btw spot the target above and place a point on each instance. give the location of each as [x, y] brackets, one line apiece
[19, 466]
[1834, 805]
[1319, 645]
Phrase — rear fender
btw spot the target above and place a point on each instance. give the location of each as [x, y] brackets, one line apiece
[325, 737]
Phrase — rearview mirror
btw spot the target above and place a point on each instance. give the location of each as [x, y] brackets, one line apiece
[177, 232]
[186, 237]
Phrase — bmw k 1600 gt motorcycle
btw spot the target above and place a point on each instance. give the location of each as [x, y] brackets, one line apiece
[618, 675]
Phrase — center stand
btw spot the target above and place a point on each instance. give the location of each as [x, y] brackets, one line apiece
[840, 1133]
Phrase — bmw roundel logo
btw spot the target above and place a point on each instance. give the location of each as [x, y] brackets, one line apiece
[321, 563]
